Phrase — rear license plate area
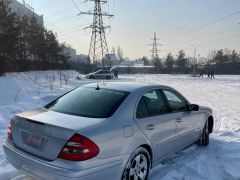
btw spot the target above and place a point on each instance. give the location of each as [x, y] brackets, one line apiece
[32, 140]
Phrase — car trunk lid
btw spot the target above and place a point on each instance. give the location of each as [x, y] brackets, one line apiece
[44, 133]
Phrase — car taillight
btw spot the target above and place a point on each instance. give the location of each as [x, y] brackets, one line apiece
[10, 131]
[79, 148]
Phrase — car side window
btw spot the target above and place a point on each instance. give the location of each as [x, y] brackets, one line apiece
[151, 104]
[176, 102]
[105, 72]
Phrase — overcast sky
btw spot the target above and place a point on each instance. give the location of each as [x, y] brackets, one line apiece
[179, 24]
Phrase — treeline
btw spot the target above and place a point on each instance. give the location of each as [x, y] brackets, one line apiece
[26, 45]
[221, 62]
[224, 62]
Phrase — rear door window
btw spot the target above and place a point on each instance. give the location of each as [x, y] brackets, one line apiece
[151, 104]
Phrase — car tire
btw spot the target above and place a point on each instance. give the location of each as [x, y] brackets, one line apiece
[204, 139]
[138, 165]
[91, 77]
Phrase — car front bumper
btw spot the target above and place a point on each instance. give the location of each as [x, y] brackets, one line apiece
[42, 169]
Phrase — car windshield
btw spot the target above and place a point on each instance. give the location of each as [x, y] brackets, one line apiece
[89, 102]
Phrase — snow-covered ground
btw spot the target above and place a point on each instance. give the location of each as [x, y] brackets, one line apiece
[220, 160]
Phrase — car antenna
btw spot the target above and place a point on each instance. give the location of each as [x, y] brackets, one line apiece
[97, 88]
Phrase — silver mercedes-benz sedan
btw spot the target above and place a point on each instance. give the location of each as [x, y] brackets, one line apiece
[112, 130]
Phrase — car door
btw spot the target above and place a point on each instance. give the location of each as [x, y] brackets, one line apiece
[98, 74]
[153, 119]
[187, 122]
[105, 74]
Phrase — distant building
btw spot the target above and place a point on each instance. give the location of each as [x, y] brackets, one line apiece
[22, 9]
[126, 63]
[137, 63]
[82, 59]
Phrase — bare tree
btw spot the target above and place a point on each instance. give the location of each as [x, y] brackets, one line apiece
[60, 77]
[38, 89]
[51, 82]
[66, 78]
[211, 55]
[113, 50]
[46, 78]
[120, 53]
[35, 78]
[17, 95]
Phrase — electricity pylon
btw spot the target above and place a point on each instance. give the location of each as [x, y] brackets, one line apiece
[98, 45]
[155, 50]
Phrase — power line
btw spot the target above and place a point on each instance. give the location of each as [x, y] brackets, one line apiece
[71, 32]
[70, 29]
[217, 40]
[75, 4]
[205, 36]
[204, 43]
[48, 4]
[73, 35]
[204, 15]
[214, 22]
[62, 19]
[59, 12]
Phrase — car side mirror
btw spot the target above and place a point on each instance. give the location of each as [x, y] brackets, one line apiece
[194, 107]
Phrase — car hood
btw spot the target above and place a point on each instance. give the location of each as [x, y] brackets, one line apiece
[61, 120]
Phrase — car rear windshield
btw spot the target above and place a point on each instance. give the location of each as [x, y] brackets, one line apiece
[89, 102]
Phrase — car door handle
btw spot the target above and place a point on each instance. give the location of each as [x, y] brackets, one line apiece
[150, 127]
[178, 120]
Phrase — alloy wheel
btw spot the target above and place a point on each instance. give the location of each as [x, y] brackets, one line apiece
[139, 167]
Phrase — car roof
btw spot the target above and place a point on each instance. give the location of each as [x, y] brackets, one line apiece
[125, 86]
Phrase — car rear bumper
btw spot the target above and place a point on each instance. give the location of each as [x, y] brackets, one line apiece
[38, 168]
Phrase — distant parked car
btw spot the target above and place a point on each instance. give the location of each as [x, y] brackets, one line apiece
[103, 131]
[101, 74]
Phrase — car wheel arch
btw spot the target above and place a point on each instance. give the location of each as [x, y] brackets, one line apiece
[149, 149]
[144, 144]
